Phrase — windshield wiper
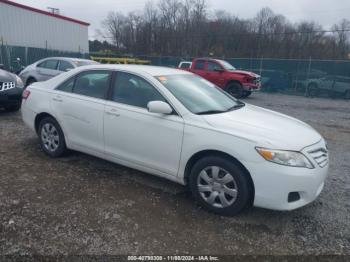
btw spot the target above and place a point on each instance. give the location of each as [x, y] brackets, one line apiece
[238, 106]
[210, 112]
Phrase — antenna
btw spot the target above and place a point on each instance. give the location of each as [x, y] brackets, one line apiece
[54, 10]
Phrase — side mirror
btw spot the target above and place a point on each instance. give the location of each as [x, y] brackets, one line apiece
[68, 69]
[219, 70]
[159, 107]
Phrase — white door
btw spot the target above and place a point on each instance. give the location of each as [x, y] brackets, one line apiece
[133, 134]
[79, 104]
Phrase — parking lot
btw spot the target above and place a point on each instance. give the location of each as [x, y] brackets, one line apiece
[83, 205]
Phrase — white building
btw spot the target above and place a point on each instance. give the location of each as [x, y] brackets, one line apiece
[24, 26]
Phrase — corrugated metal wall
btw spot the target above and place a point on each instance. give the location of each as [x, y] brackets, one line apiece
[20, 27]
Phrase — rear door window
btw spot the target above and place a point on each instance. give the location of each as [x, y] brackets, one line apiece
[64, 66]
[49, 64]
[92, 83]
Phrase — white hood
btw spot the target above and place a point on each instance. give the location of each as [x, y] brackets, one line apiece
[266, 127]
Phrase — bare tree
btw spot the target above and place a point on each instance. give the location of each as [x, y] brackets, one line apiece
[187, 28]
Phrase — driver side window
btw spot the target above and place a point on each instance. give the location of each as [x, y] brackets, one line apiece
[133, 90]
[212, 66]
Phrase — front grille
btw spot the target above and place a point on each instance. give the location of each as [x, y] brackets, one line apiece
[7, 85]
[257, 81]
[320, 156]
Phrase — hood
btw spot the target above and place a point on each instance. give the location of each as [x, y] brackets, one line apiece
[267, 128]
[246, 73]
[7, 76]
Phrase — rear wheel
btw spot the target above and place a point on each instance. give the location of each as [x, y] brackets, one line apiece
[220, 185]
[51, 137]
[235, 89]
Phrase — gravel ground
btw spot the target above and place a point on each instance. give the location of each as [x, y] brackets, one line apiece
[83, 205]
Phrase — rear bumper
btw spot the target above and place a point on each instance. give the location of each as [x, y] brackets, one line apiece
[11, 97]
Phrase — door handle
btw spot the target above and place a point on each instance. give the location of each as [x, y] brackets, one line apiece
[112, 112]
[57, 99]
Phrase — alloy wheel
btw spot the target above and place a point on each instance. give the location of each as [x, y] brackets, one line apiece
[50, 137]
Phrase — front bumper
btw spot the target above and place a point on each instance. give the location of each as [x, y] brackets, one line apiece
[11, 97]
[273, 183]
[251, 87]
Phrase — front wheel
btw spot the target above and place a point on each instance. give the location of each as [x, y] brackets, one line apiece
[51, 137]
[246, 94]
[235, 89]
[220, 185]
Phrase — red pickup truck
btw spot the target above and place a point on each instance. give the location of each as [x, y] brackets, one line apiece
[238, 83]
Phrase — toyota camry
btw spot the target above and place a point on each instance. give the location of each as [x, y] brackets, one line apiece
[179, 126]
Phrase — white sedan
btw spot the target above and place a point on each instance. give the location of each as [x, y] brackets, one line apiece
[176, 125]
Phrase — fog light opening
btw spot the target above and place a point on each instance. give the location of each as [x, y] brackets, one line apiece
[293, 196]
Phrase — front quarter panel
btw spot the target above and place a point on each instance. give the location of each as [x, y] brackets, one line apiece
[201, 137]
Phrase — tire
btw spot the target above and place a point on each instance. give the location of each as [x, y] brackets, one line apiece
[51, 137]
[13, 108]
[347, 95]
[312, 90]
[246, 94]
[30, 81]
[235, 89]
[227, 194]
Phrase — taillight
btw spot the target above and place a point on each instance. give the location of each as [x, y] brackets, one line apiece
[25, 94]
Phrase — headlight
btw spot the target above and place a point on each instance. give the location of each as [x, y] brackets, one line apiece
[287, 158]
[19, 83]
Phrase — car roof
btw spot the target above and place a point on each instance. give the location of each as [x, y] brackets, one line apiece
[66, 58]
[146, 69]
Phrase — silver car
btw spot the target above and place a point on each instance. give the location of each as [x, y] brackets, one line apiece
[47, 68]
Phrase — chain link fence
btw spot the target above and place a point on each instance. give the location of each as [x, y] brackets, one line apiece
[13, 57]
[308, 77]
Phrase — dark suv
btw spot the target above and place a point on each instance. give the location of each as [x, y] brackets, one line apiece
[11, 87]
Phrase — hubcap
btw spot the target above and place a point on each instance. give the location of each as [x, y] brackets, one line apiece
[50, 137]
[217, 186]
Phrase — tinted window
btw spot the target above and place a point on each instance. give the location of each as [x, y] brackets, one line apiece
[49, 64]
[199, 65]
[133, 90]
[65, 66]
[212, 66]
[92, 83]
[67, 86]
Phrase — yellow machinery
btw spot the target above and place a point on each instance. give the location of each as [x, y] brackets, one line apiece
[120, 60]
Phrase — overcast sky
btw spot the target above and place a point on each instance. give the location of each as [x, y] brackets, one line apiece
[325, 12]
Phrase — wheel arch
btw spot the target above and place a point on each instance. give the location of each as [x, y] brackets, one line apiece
[29, 78]
[231, 81]
[201, 154]
[40, 117]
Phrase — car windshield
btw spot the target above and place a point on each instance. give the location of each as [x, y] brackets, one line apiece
[84, 63]
[227, 65]
[198, 95]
